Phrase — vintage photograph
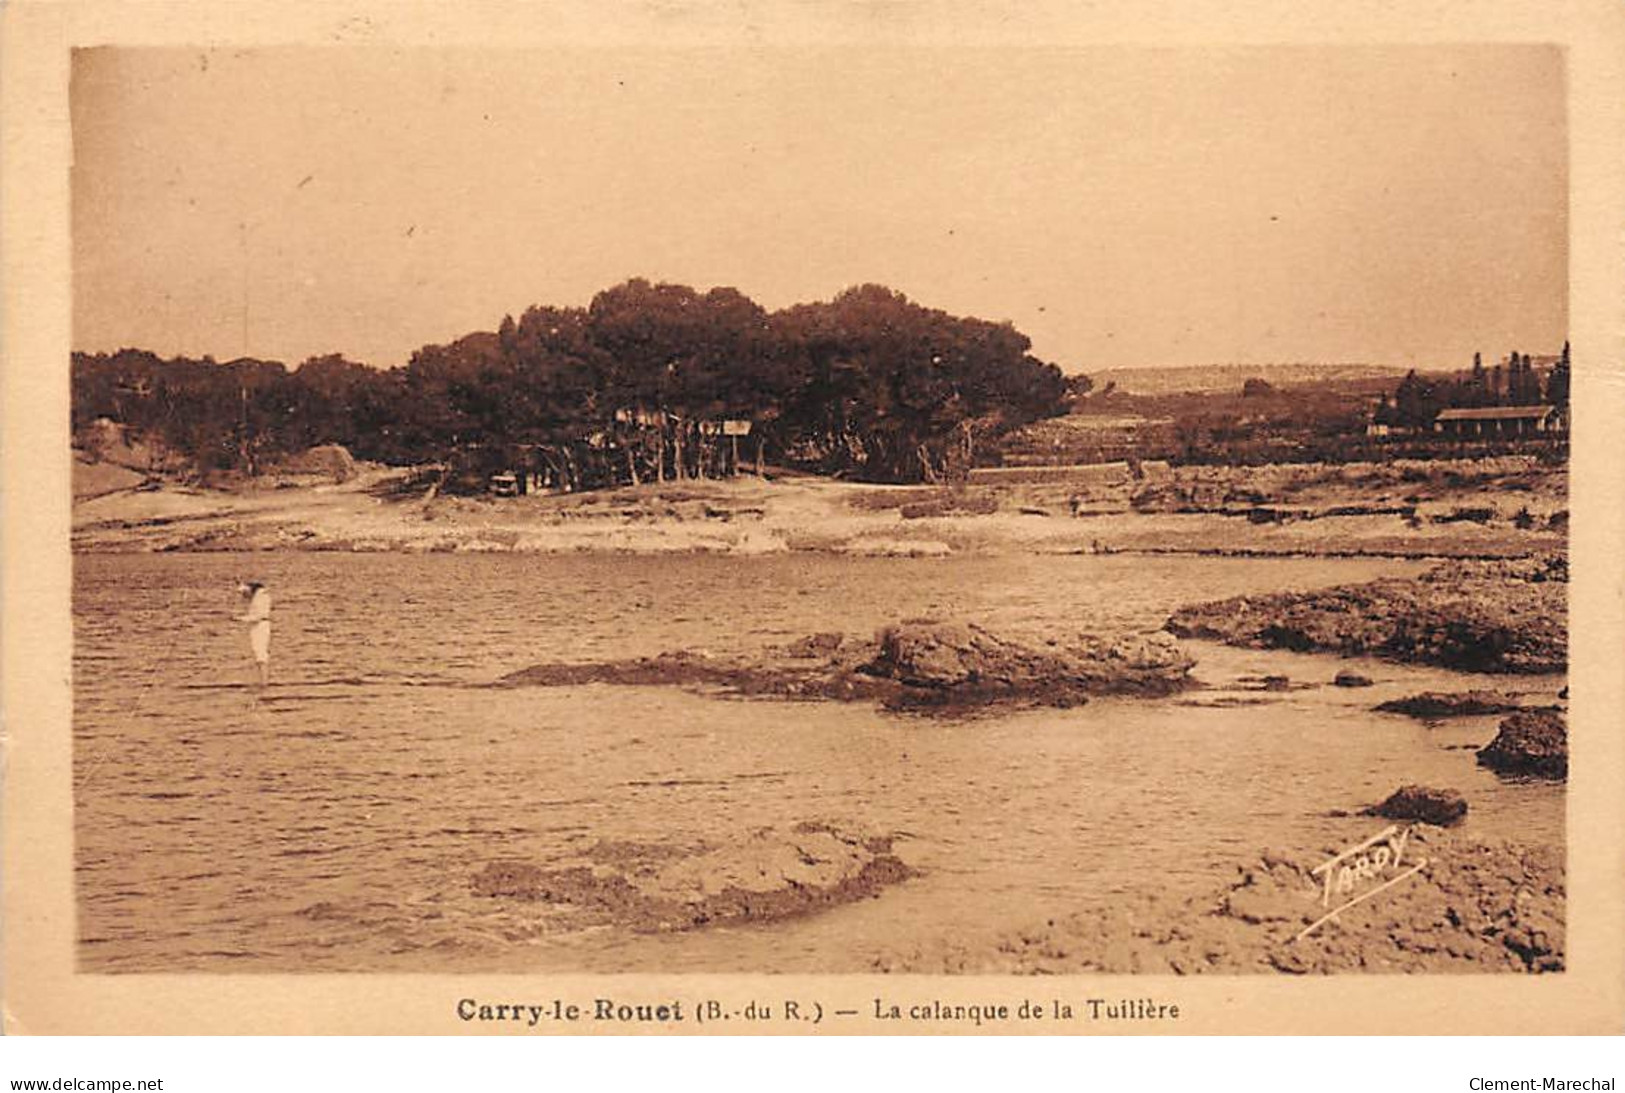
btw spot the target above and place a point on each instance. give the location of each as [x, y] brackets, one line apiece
[784, 509]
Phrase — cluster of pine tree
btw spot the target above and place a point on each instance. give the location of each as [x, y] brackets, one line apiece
[633, 387]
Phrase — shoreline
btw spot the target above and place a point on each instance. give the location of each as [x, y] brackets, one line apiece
[1267, 512]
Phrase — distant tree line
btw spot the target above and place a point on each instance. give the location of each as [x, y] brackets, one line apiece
[634, 387]
[1417, 400]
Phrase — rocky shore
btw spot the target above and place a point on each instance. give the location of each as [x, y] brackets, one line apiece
[1473, 907]
[917, 664]
[656, 887]
[1423, 510]
[1506, 617]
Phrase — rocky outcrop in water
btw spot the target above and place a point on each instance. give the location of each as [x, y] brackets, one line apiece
[1490, 617]
[1433, 705]
[920, 664]
[1530, 742]
[958, 661]
[1424, 804]
[649, 888]
[1473, 907]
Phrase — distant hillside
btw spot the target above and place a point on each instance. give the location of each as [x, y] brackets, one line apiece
[1217, 378]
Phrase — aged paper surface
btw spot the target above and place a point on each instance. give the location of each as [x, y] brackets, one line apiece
[503, 777]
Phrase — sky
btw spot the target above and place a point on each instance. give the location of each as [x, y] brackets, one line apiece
[1123, 207]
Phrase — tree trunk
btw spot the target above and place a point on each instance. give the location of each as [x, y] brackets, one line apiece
[761, 442]
[632, 466]
[244, 458]
[677, 445]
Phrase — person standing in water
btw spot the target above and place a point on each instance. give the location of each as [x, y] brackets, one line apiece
[258, 618]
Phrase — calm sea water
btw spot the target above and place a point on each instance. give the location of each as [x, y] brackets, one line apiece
[333, 822]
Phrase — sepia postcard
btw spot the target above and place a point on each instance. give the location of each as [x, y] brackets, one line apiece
[833, 518]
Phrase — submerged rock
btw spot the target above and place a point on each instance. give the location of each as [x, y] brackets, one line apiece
[1347, 678]
[767, 876]
[1424, 804]
[1436, 704]
[1271, 683]
[1530, 742]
